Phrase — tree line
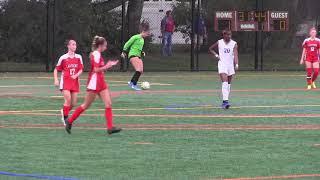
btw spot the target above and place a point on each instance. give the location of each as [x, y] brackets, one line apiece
[24, 37]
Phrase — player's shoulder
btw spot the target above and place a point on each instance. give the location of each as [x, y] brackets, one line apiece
[137, 36]
[96, 53]
[96, 56]
[78, 56]
[233, 41]
[63, 57]
[307, 39]
[318, 39]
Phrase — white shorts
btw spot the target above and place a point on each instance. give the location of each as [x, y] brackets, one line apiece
[226, 69]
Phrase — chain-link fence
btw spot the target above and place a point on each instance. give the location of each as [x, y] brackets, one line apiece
[33, 32]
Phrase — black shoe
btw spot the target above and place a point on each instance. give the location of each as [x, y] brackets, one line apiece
[68, 126]
[114, 130]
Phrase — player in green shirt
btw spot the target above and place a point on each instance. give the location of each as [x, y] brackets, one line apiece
[133, 49]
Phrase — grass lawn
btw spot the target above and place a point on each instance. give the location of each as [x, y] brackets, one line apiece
[175, 131]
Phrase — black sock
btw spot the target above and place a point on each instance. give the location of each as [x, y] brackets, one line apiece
[135, 77]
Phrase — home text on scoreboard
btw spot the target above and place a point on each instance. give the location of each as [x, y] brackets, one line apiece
[252, 20]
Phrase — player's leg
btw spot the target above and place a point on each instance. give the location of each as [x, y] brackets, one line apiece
[74, 99]
[137, 64]
[90, 97]
[106, 98]
[169, 44]
[315, 75]
[164, 44]
[229, 84]
[309, 74]
[66, 106]
[224, 90]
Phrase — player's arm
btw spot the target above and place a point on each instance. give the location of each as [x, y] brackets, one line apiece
[127, 45]
[236, 56]
[77, 75]
[303, 56]
[56, 70]
[212, 51]
[55, 77]
[109, 65]
[80, 71]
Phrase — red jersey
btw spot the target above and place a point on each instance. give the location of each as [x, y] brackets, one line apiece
[167, 24]
[312, 47]
[96, 81]
[69, 66]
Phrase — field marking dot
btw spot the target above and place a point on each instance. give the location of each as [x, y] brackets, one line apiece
[143, 143]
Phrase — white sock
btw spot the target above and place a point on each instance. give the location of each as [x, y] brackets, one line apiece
[225, 91]
[229, 89]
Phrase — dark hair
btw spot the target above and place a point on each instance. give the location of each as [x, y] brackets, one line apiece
[144, 26]
[67, 42]
[225, 31]
[168, 12]
[97, 41]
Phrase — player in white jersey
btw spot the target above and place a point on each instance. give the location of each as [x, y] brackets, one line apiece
[228, 62]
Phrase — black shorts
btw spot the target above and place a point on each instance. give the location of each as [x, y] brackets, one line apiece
[134, 57]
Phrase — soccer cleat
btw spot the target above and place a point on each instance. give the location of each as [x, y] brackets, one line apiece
[309, 87]
[68, 126]
[63, 118]
[313, 85]
[134, 87]
[114, 130]
[225, 105]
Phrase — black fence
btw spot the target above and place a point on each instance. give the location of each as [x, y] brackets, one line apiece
[33, 32]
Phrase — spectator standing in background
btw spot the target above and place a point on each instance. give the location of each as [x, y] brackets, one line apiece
[200, 32]
[167, 28]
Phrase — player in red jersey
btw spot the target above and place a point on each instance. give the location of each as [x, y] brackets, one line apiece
[97, 86]
[71, 66]
[310, 56]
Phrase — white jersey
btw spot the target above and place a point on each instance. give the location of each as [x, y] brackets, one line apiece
[226, 51]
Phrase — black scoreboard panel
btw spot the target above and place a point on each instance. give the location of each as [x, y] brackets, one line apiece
[252, 20]
[279, 25]
[224, 24]
[224, 20]
[258, 16]
[279, 21]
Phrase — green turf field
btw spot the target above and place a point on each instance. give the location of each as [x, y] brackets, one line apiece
[175, 131]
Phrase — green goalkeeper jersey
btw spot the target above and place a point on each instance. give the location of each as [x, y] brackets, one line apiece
[134, 46]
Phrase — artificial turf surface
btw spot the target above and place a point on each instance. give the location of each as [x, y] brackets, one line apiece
[174, 131]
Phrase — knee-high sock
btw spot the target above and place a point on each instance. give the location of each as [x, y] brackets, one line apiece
[309, 75]
[315, 74]
[109, 118]
[135, 77]
[76, 114]
[229, 88]
[66, 110]
[225, 91]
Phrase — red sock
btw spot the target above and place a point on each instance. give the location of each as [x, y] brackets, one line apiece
[108, 115]
[309, 76]
[76, 114]
[66, 110]
[315, 74]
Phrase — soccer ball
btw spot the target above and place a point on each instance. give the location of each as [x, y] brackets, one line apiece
[145, 85]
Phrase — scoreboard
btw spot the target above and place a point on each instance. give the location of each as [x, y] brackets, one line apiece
[251, 20]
